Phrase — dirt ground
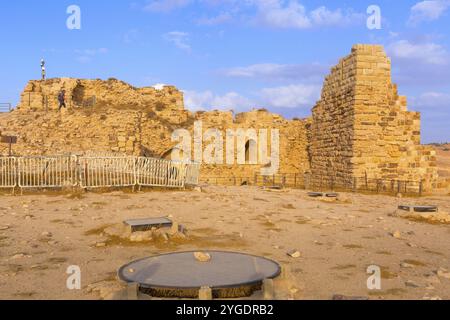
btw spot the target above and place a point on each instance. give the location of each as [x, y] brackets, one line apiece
[42, 234]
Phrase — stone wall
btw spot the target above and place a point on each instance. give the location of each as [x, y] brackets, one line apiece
[360, 127]
[43, 95]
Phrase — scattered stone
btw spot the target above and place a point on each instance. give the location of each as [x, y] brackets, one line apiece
[18, 256]
[293, 290]
[432, 278]
[205, 293]
[202, 256]
[104, 289]
[165, 236]
[46, 234]
[443, 273]
[2, 228]
[100, 244]
[397, 234]
[341, 297]
[294, 254]
[141, 236]
[433, 298]
[412, 284]
[406, 265]
[174, 229]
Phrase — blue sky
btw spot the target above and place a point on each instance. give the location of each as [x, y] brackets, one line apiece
[231, 54]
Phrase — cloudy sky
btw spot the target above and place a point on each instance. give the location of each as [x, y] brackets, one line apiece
[231, 54]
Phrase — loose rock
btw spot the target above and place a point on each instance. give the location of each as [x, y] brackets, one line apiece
[202, 256]
[406, 265]
[397, 234]
[443, 273]
[294, 254]
[412, 284]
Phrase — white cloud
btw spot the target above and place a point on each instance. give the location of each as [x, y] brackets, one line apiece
[430, 53]
[289, 97]
[324, 17]
[166, 5]
[284, 72]
[179, 39]
[86, 55]
[432, 100]
[292, 96]
[273, 13]
[207, 100]
[290, 14]
[279, 14]
[428, 11]
[219, 19]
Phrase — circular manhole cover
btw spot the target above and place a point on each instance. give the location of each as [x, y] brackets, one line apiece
[228, 274]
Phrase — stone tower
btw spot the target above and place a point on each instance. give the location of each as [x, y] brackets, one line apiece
[361, 126]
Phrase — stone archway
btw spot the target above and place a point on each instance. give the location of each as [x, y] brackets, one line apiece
[250, 146]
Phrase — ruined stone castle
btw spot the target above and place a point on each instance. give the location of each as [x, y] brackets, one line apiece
[359, 127]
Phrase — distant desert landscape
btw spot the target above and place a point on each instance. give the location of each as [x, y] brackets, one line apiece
[443, 162]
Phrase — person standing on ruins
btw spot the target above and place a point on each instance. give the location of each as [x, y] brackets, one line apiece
[62, 99]
[43, 73]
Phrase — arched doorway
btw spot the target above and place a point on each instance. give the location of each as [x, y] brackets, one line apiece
[251, 154]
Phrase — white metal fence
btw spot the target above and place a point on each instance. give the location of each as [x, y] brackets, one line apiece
[47, 172]
[158, 172]
[107, 172]
[95, 172]
[8, 176]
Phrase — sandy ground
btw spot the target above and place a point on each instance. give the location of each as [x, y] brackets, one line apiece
[41, 235]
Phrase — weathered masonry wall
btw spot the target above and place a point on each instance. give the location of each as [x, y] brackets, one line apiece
[42, 95]
[360, 127]
[332, 128]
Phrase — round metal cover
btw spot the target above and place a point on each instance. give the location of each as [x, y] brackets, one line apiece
[423, 209]
[180, 271]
